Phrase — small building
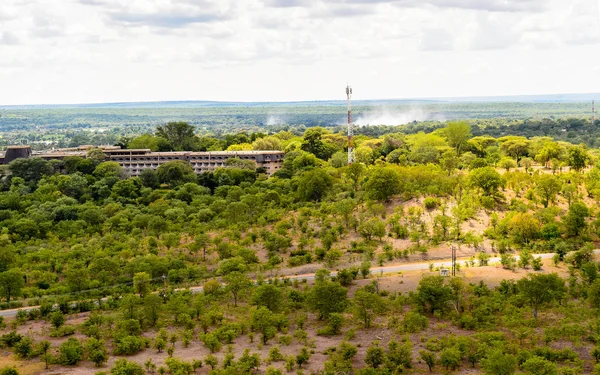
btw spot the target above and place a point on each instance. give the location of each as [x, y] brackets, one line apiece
[15, 152]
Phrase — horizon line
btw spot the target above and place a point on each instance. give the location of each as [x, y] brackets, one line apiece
[482, 98]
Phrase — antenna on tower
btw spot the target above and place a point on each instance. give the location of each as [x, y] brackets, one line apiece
[350, 129]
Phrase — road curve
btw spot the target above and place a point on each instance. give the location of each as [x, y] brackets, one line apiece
[374, 270]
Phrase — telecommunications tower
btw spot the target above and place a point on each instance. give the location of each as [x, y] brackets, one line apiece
[593, 112]
[350, 130]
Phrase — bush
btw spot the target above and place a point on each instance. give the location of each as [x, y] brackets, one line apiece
[57, 319]
[450, 358]
[539, 366]
[414, 322]
[334, 325]
[275, 355]
[431, 203]
[96, 351]
[10, 339]
[129, 345]
[125, 367]
[70, 352]
[212, 342]
[9, 371]
[24, 348]
[62, 331]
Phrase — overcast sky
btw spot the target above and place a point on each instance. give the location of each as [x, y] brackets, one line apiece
[81, 51]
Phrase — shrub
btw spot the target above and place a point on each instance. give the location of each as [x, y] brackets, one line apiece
[96, 351]
[450, 358]
[10, 339]
[24, 348]
[125, 367]
[70, 352]
[57, 319]
[334, 325]
[275, 355]
[414, 322]
[62, 331]
[212, 342]
[539, 366]
[9, 371]
[431, 203]
[129, 345]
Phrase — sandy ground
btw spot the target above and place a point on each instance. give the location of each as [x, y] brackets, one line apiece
[400, 283]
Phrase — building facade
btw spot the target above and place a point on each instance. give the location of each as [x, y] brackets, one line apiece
[134, 161]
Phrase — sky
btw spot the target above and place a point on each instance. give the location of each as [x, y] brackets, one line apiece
[96, 51]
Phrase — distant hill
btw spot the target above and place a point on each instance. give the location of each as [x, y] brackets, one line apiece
[554, 98]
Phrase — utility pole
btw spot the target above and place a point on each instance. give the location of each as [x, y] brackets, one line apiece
[453, 260]
[350, 130]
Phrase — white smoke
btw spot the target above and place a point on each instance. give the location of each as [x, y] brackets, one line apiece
[387, 116]
[274, 120]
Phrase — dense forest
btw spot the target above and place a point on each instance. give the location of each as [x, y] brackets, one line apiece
[322, 268]
[48, 127]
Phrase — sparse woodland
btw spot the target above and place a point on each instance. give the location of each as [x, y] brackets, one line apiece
[232, 272]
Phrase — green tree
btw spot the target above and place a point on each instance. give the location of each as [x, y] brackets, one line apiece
[312, 142]
[375, 356]
[539, 290]
[429, 358]
[109, 169]
[539, 366]
[432, 295]
[314, 184]
[70, 352]
[152, 307]
[355, 172]
[515, 146]
[327, 297]
[263, 321]
[30, 169]
[96, 351]
[523, 228]
[382, 184]
[575, 220]
[180, 135]
[43, 348]
[237, 284]
[9, 370]
[372, 227]
[498, 363]
[149, 141]
[366, 304]
[269, 296]
[458, 133]
[578, 158]
[548, 186]
[125, 367]
[141, 283]
[11, 283]
[77, 278]
[449, 161]
[507, 163]
[175, 173]
[149, 178]
[450, 358]
[57, 319]
[302, 357]
[487, 179]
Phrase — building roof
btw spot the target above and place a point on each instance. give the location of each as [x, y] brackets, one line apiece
[17, 147]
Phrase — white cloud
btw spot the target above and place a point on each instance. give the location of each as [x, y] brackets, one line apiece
[112, 50]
